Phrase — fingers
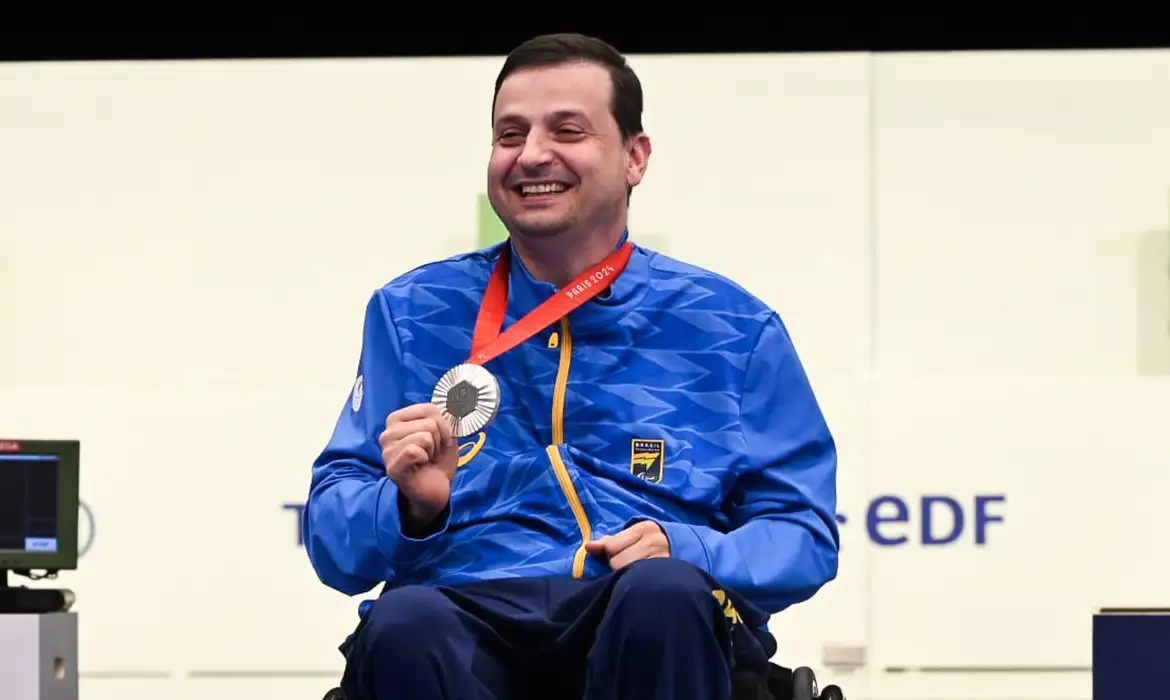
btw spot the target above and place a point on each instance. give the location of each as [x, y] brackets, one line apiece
[414, 435]
[401, 425]
[402, 455]
[414, 412]
[614, 544]
[642, 540]
[646, 548]
[423, 412]
[446, 428]
[595, 546]
[408, 445]
[397, 432]
[626, 557]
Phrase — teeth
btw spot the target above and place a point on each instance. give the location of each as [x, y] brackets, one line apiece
[542, 189]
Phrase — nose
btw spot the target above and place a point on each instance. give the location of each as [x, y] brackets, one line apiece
[535, 153]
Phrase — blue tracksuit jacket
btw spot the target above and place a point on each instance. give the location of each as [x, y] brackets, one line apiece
[678, 398]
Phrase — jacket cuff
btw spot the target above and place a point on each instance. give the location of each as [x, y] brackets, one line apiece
[395, 544]
[686, 544]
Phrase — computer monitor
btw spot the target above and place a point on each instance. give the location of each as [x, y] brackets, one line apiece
[38, 505]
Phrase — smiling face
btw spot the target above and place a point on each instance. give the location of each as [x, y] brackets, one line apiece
[559, 163]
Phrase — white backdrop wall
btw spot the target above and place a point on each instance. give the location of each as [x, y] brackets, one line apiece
[972, 253]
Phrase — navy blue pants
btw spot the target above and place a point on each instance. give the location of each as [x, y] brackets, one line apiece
[658, 629]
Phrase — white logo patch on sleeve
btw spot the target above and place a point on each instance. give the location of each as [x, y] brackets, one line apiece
[359, 391]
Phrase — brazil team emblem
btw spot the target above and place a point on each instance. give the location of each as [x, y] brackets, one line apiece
[648, 459]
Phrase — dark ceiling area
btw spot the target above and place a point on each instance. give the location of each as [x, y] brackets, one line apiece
[325, 35]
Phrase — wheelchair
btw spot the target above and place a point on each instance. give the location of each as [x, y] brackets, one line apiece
[780, 684]
[785, 684]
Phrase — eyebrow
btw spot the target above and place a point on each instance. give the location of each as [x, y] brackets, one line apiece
[555, 116]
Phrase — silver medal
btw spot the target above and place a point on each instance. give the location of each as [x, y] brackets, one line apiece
[469, 396]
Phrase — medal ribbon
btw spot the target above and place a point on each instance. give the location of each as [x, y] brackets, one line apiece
[488, 343]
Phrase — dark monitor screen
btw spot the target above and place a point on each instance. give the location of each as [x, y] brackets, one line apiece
[38, 504]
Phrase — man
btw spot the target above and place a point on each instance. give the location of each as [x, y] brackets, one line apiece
[646, 474]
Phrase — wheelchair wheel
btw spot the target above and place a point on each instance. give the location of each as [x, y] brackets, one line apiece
[804, 684]
[832, 692]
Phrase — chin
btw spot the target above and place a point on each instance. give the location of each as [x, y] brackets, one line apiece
[539, 224]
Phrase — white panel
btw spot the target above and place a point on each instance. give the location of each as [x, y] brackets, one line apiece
[1016, 195]
[281, 617]
[760, 171]
[128, 686]
[1153, 293]
[134, 586]
[1081, 464]
[224, 222]
[194, 561]
[7, 310]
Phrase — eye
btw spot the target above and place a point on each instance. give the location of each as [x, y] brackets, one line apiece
[511, 137]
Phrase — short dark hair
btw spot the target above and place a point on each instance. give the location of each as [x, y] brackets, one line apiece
[555, 49]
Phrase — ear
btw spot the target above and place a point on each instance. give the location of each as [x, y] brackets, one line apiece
[637, 158]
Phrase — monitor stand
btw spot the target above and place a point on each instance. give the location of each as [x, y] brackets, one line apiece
[38, 650]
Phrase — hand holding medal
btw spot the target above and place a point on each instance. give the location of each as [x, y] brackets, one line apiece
[468, 395]
[420, 455]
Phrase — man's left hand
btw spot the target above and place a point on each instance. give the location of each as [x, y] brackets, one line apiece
[642, 540]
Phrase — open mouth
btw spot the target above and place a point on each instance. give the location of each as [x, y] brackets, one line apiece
[543, 189]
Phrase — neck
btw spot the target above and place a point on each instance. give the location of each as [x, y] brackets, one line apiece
[561, 259]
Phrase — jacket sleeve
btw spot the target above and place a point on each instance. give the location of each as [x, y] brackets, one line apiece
[352, 527]
[783, 540]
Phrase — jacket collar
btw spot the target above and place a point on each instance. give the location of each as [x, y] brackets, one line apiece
[525, 292]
